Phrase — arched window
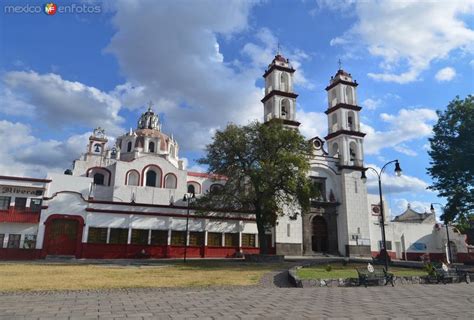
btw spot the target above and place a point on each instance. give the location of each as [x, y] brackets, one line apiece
[284, 83]
[151, 147]
[172, 151]
[216, 187]
[334, 123]
[333, 97]
[129, 146]
[285, 108]
[335, 150]
[351, 121]
[99, 179]
[349, 95]
[191, 189]
[99, 175]
[353, 151]
[133, 178]
[195, 186]
[151, 178]
[170, 181]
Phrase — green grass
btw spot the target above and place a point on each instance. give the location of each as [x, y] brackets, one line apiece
[349, 271]
[37, 276]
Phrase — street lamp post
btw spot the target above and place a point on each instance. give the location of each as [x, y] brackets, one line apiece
[398, 172]
[187, 198]
[449, 257]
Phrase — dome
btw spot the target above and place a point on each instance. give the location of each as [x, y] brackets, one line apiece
[279, 57]
[149, 120]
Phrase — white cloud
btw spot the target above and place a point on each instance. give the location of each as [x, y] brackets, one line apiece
[30, 156]
[445, 74]
[402, 148]
[313, 124]
[58, 102]
[262, 54]
[401, 204]
[195, 167]
[393, 184]
[371, 104]
[180, 67]
[409, 35]
[407, 125]
[335, 5]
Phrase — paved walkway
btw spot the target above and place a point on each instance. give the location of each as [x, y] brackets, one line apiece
[404, 302]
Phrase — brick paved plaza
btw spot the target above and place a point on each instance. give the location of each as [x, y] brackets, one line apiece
[408, 301]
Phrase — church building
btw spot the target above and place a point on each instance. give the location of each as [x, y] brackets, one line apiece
[134, 199]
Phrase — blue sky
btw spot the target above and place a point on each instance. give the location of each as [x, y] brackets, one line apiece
[201, 63]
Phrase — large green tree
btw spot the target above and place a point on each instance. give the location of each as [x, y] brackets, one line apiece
[266, 166]
[452, 154]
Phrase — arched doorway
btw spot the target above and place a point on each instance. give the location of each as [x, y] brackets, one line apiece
[63, 235]
[319, 239]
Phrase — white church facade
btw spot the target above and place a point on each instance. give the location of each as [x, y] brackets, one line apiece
[127, 201]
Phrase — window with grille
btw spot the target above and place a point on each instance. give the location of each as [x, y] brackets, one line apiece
[196, 238]
[118, 236]
[159, 237]
[248, 240]
[178, 238]
[4, 203]
[35, 205]
[20, 203]
[214, 239]
[139, 236]
[231, 239]
[30, 241]
[389, 245]
[97, 235]
[14, 241]
[2, 238]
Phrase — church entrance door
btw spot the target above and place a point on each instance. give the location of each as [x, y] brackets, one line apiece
[319, 239]
[62, 237]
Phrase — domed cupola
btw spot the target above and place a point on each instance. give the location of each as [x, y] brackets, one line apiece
[149, 120]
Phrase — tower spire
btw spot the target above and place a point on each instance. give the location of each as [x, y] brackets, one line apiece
[339, 64]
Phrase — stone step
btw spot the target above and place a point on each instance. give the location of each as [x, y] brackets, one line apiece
[60, 257]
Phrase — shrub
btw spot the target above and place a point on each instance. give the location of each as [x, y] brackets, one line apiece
[328, 268]
[429, 268]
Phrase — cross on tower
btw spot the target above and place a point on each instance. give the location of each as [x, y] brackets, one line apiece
[278, 48]
[340, 64]
[150, 104]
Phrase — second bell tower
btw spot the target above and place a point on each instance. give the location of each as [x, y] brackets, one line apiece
[280, 100]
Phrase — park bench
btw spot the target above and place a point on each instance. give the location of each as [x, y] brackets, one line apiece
[448, 274]
[375, 276]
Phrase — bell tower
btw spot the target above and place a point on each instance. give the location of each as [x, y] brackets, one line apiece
[345, 144]
[345, 141]
[280, 99]
[97, 142]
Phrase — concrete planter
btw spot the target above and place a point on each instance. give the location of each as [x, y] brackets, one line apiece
[348, 282]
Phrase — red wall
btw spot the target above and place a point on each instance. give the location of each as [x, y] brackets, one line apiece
[392, 254]
[19, 254]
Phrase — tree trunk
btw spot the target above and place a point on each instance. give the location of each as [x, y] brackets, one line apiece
[262, 239]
